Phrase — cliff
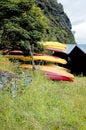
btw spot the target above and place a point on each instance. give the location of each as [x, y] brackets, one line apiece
[59, 25]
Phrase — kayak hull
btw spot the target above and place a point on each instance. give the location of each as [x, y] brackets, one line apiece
[58, 77]
[52, 72]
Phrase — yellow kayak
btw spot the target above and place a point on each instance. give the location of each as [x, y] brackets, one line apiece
[54, 45]
[38, 57]
[26, 66]
[29, 66]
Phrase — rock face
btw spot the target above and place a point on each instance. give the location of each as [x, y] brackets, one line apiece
[59, 28]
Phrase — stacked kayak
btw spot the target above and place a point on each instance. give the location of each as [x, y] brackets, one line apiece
[52, 72]
[55, 72]
[12, 52]
[53, 45]
[45, 58]
[48, 68]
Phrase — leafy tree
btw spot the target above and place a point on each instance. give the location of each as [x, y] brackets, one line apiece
[22, 24]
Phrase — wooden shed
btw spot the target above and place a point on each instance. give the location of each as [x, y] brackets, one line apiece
[76, 58]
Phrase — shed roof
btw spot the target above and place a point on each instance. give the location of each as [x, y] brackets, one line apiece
[70, 47]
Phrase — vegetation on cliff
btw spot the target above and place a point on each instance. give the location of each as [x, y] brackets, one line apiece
[59, 27]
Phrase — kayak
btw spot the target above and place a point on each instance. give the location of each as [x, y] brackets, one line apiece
[58, 77]
[54, 45]
[54, 50]
[52, 72]
[16, 52]
[27, 66]
[56, 70]
[12, 52]
[46, 58]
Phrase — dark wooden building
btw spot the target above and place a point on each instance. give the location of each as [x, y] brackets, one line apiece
[76, 58]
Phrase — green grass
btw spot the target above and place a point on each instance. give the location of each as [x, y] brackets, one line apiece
[45, 105]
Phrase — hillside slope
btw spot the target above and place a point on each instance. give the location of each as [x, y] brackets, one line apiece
[59, 28]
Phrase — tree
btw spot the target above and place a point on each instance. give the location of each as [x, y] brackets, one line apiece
[22, 23]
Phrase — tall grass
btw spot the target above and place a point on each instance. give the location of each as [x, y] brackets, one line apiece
[6, 65]
[45, 105]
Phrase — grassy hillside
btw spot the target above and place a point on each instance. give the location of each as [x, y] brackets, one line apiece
[44, 105]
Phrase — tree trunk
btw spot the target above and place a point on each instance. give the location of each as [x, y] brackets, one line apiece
[33, 64]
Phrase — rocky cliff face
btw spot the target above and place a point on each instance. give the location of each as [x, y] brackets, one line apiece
[59, 28]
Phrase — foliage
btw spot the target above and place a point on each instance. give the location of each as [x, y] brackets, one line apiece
[59, 27]
[21, 22]
[45, 105]
[12, 80]
[7, 66]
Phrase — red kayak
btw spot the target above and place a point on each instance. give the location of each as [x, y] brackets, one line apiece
[16, 52]
[54, 76]
[12, 52]
[52, 49]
